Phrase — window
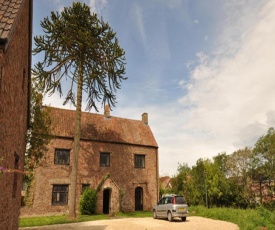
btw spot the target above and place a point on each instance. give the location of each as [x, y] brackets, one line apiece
[180, 200]
[168, 200]
[105, 159]
[84, 186]
[60, 194]
[139, 161]
[62, 157]
[162, 201]
[24, 185]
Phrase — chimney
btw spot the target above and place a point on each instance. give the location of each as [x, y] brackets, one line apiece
[145, 118]
[107, 111]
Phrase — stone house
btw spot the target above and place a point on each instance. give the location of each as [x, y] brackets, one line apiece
[118, 156]
[15, 64]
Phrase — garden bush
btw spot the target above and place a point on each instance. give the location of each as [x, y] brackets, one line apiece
[88, 202]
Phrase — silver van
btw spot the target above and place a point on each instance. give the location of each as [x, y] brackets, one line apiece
[170, 206]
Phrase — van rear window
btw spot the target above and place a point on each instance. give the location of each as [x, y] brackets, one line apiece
[180, 200]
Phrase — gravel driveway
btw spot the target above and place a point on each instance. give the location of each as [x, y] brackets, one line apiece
[193, 222]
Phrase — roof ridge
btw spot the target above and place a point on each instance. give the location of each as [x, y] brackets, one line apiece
[92, 113]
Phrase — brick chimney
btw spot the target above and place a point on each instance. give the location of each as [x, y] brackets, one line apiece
[107, 111]
[145, 118]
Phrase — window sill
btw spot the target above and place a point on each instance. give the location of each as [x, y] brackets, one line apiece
[59, 204]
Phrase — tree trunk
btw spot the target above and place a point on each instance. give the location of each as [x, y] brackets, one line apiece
[74, 172]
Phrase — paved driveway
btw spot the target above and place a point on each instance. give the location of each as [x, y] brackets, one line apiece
[192, 223]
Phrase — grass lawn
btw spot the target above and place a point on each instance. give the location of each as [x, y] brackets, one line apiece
[49, 220]
[249, 219]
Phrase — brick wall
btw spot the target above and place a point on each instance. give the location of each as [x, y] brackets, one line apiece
[124, 177]
[14, 67]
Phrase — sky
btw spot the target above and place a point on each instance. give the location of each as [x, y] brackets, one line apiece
[204, 71]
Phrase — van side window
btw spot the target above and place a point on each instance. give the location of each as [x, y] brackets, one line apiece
[161, 201]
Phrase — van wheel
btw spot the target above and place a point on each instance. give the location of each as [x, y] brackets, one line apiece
[155, 214]
[169, 216]
[183, 218]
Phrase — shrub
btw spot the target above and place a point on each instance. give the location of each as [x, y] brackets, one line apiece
[88, 202]
[270, 206]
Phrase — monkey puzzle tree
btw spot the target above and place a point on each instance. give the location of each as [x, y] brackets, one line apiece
[81, 48]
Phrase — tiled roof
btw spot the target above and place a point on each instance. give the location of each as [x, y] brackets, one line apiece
[99, 128]
[164, 181]
[8, 12]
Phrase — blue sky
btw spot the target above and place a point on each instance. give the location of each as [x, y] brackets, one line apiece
[203, 70]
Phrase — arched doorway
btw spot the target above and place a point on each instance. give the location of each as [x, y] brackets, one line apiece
[106, 200]
[138, 199]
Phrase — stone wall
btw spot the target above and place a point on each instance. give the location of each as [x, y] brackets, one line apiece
[14, 72]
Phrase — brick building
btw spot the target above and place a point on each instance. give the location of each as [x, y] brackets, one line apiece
[263, 191]
[120, 156]
[15, 64]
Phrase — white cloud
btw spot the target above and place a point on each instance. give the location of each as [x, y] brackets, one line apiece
[138, 15]
[56, 101]
[175, 4]
[233, 93]
[152, 33]
[97, 5]
[240, 18]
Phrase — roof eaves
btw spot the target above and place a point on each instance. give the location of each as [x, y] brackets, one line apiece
[7, 33]
[104, 141]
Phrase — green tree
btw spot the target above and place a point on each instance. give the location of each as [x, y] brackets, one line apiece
[264, 153]
[81, 48]
[179, 181]
[240, 167]
[221, 160]
[210, 184]
[264, 156]
[198, 193]
[38, 135]
[182, 182]
[239, 163]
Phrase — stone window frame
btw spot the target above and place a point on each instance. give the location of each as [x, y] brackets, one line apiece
[60, 193]
[103, 161]
[60, 157]
[139, 160]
